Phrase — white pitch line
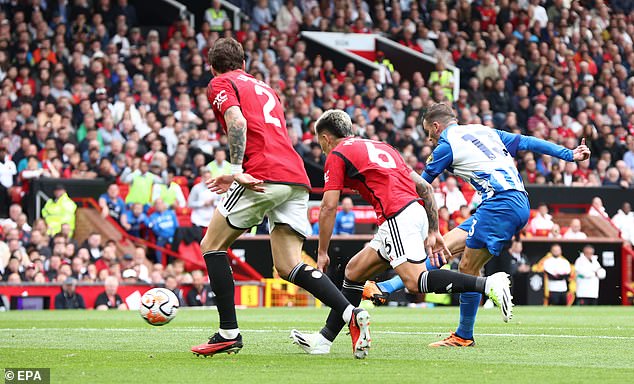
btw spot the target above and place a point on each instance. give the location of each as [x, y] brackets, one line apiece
[412, 333]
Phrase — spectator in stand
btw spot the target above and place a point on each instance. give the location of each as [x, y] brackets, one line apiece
[462, 214]
[141, 181]
[129, 276]
[444, 78]
[557, 270]
[216, 16]
[261, 16]
[69, 298]
[110, 299]
[200, 295]
[202, 201]
[555, 232]
[133, 220]
[597, 208]
[170, 192]
[289, 18]
[58, 210]
[345, 219]
[112, 204]
[574, 231]
[8, 170]
[315, 156]
[519, 261]
[163, 223]
[11, 222]
[454, 198]
[219, 166]
[542, 223]
[588, 272]
[624, 221]
[628, 157]
[444, 220]
[171, 283]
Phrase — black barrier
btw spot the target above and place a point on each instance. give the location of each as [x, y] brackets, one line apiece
[406, 62]
[528, 287]
[613, 197]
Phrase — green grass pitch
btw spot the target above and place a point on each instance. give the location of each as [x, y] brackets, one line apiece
[540, 345]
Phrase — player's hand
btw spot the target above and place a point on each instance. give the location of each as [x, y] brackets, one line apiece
[437, 250]
[220, 184]
[582, 152]
[249, 182]
[323, 260]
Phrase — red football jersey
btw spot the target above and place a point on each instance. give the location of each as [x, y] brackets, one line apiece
[376, 170]
[269, 155]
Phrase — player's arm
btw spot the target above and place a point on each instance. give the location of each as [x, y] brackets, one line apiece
[334, 171]
[236, 134]
[105, 211]
[327, 216]
[515, 143]
[226, 106]
[426, 193]
[440, 159]
[237, 138]
[436, 247]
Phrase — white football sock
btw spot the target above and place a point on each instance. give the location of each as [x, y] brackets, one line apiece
[347, 314]
[229, 334]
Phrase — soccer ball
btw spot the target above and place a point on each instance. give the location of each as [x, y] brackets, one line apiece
[158, 306]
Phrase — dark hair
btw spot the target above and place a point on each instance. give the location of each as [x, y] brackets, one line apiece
[439, 112]
[226, 55]
[335, 121]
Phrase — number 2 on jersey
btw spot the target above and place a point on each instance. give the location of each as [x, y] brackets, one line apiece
[268, 106]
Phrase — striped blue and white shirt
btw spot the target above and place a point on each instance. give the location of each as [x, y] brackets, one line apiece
[483, 157]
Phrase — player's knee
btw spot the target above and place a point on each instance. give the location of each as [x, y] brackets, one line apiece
[284, 273]
[468, 266]
[410, 282]
[208, 243]
[353, 271]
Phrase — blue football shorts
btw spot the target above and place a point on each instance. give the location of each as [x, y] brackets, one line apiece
[496, 221]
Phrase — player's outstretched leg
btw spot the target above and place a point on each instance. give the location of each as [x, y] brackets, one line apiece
[214, 245]
[378, 293]
[286, 247]
[363, 265]
[497, 286]
[319, 343]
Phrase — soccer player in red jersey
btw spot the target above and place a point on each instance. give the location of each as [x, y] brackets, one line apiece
[396, 192]
[267, 178]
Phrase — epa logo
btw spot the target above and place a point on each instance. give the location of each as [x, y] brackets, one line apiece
[27, 375]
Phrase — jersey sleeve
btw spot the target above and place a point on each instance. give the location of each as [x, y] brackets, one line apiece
[222, 95]
[515, 142]
[440, 159]
[334, 172]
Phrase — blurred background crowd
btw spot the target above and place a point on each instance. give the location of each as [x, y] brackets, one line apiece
[86, 92]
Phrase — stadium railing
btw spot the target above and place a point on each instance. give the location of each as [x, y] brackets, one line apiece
[91, 203]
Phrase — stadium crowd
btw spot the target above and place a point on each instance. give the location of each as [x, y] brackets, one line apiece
[87, 93]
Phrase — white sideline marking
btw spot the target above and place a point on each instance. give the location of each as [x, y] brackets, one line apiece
[198, 330]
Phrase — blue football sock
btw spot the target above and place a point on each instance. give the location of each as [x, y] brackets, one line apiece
[391, 285]
[394, 284]
[469, 303]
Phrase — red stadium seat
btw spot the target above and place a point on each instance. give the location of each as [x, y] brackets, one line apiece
[124, 189]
